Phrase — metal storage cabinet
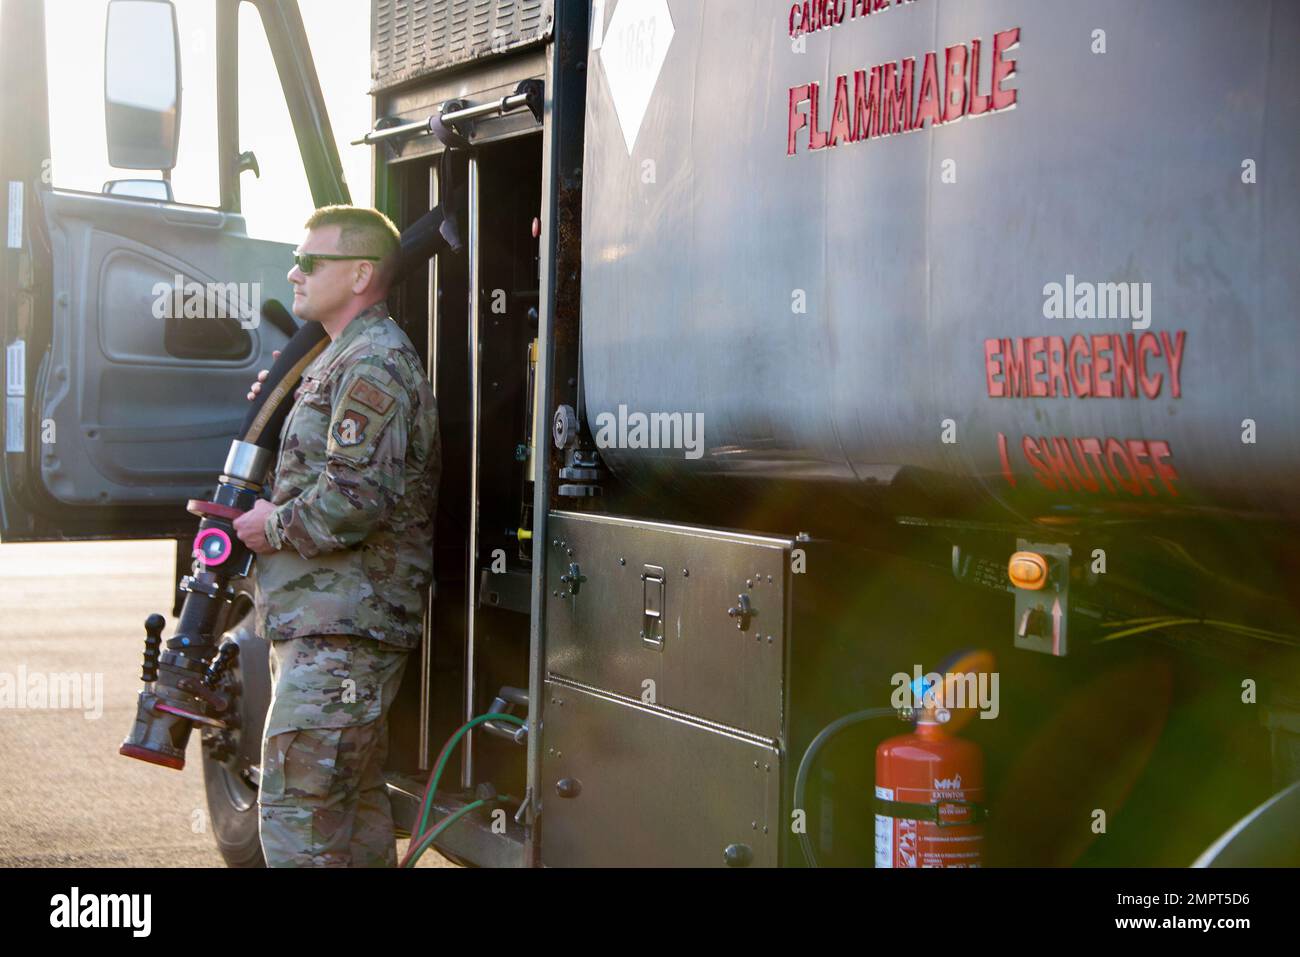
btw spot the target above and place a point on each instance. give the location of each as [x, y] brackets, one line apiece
[663, 715]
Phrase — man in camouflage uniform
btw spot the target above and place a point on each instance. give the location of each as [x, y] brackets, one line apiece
[345, 554]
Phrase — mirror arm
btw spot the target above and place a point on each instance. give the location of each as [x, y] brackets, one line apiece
[247, 161]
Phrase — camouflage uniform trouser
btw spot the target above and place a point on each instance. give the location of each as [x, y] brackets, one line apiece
[322, 801]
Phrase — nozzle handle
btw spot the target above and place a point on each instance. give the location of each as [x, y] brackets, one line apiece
[153, 626]
[227, 653]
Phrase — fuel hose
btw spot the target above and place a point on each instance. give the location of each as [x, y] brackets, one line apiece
[428, 236]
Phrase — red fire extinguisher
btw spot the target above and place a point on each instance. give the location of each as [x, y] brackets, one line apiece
[930, 792]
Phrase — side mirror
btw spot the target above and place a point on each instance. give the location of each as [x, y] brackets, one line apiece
[157, 189]
[142, 84]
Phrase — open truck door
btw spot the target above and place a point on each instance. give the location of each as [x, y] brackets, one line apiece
[135, 312]
[132, 322]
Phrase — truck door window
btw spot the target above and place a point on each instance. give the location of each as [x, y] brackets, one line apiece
[276, 203]
[74, 37]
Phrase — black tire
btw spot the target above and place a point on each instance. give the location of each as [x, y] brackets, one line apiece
[227, 764]
[232, 811]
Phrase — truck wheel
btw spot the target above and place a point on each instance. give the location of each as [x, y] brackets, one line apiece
[232, 810]
[231, 757]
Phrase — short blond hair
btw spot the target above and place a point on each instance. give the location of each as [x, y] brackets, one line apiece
[363, 232]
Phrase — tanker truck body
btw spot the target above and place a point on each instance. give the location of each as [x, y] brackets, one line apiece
[946, 282]
[801, 354]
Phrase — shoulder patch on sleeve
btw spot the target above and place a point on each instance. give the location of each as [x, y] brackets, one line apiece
[351, 429]
[366, 391]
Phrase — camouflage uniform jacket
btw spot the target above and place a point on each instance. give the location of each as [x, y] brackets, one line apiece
[355, 490]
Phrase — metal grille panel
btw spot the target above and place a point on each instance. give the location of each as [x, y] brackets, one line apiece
[413, 38]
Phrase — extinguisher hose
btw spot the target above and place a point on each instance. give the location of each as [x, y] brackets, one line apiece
[801, 777]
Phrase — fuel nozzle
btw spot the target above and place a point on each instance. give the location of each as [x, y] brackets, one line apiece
[154, 741]
[182, 679]
[180, 684]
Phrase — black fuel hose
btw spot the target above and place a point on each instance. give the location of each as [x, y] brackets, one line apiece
[265, 419]
[432, 234]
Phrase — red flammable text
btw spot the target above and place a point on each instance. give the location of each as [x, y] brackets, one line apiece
[1110, 366]
[882, 102]
[1095, 464]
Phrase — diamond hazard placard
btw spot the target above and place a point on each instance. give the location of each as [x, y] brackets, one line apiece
[633, 50]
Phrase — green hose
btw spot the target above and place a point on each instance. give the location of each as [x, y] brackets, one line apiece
[447, 749]
[426, 840]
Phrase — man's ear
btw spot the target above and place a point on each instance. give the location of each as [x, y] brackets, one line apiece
[366, 280]
[381, 277]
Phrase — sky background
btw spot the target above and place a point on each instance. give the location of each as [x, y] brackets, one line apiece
[276, 205]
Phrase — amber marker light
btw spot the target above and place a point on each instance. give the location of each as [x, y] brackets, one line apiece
[1027, 570]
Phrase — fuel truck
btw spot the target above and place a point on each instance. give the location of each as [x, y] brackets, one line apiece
[871, 427]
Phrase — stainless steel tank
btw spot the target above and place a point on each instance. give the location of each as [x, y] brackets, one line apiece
[875, 308]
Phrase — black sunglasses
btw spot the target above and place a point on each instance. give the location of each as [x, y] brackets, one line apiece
[307, 261]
